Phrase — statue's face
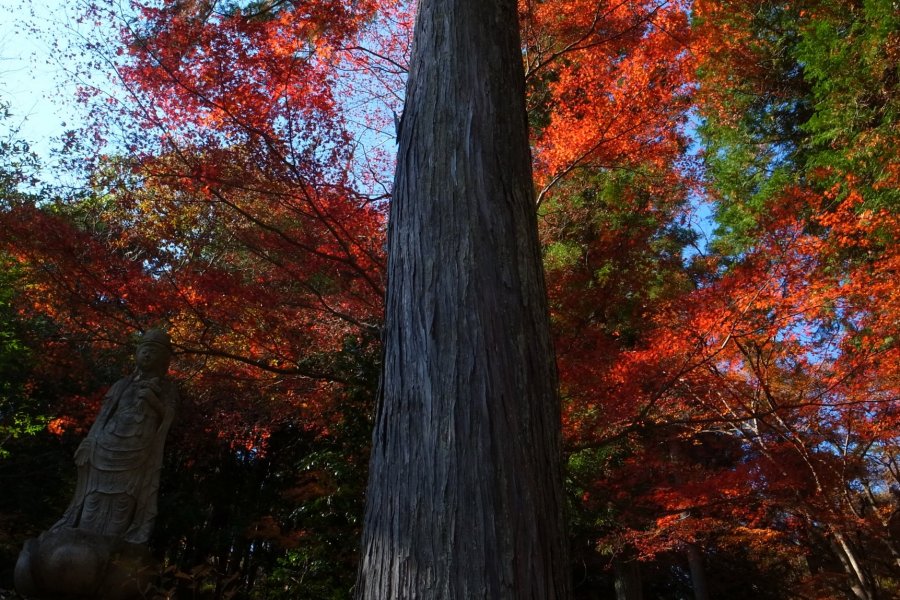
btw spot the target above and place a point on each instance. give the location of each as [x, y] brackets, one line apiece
[152, 358]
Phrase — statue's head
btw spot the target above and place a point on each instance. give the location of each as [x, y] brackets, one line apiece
[154, 351]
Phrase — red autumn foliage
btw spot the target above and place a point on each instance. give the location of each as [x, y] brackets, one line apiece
[713, 401]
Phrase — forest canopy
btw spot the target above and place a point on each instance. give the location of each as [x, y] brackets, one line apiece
[716, 184]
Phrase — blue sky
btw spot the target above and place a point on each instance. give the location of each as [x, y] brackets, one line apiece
[31, 79]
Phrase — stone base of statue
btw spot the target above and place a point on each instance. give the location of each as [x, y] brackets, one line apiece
[73, 564]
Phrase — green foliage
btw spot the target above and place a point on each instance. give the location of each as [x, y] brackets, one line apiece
[17, 414]
[270, 513]
[819, 102]
[617, 244]
[561, 255]
[14, 357]
[583, 469]
[851, 60]
[754, 135]
[590, 516]
[322, 503]
[35, 465]
[328, 519]
[753, 142]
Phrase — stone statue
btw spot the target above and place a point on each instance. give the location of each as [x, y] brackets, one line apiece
[119, 460]
[96, 549]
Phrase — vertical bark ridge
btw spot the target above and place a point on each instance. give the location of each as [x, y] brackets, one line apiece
[465, 489]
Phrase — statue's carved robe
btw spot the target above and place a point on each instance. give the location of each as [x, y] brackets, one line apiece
[117, 487]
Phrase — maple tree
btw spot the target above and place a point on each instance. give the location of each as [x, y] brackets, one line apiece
[248, 239]
[234, 220]
[787, 352]
[734, 386]
[845, 203]
[614, 191]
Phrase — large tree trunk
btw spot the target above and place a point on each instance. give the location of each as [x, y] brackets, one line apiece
[465, 490]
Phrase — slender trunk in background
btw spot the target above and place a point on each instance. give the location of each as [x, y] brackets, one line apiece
[698, 572]
[860, 583]
[465, 488]
[693, 551]
[628, 579]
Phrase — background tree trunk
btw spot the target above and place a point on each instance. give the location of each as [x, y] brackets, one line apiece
[465, 490]
[628, 582]
[698, 572]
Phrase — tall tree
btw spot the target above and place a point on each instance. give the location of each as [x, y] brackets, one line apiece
[465, 489]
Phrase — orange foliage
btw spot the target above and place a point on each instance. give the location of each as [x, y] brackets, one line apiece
[747, 401]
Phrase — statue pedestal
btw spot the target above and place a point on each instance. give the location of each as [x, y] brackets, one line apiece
[80, 565]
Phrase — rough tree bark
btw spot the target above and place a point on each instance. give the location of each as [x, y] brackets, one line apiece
[465, 491]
